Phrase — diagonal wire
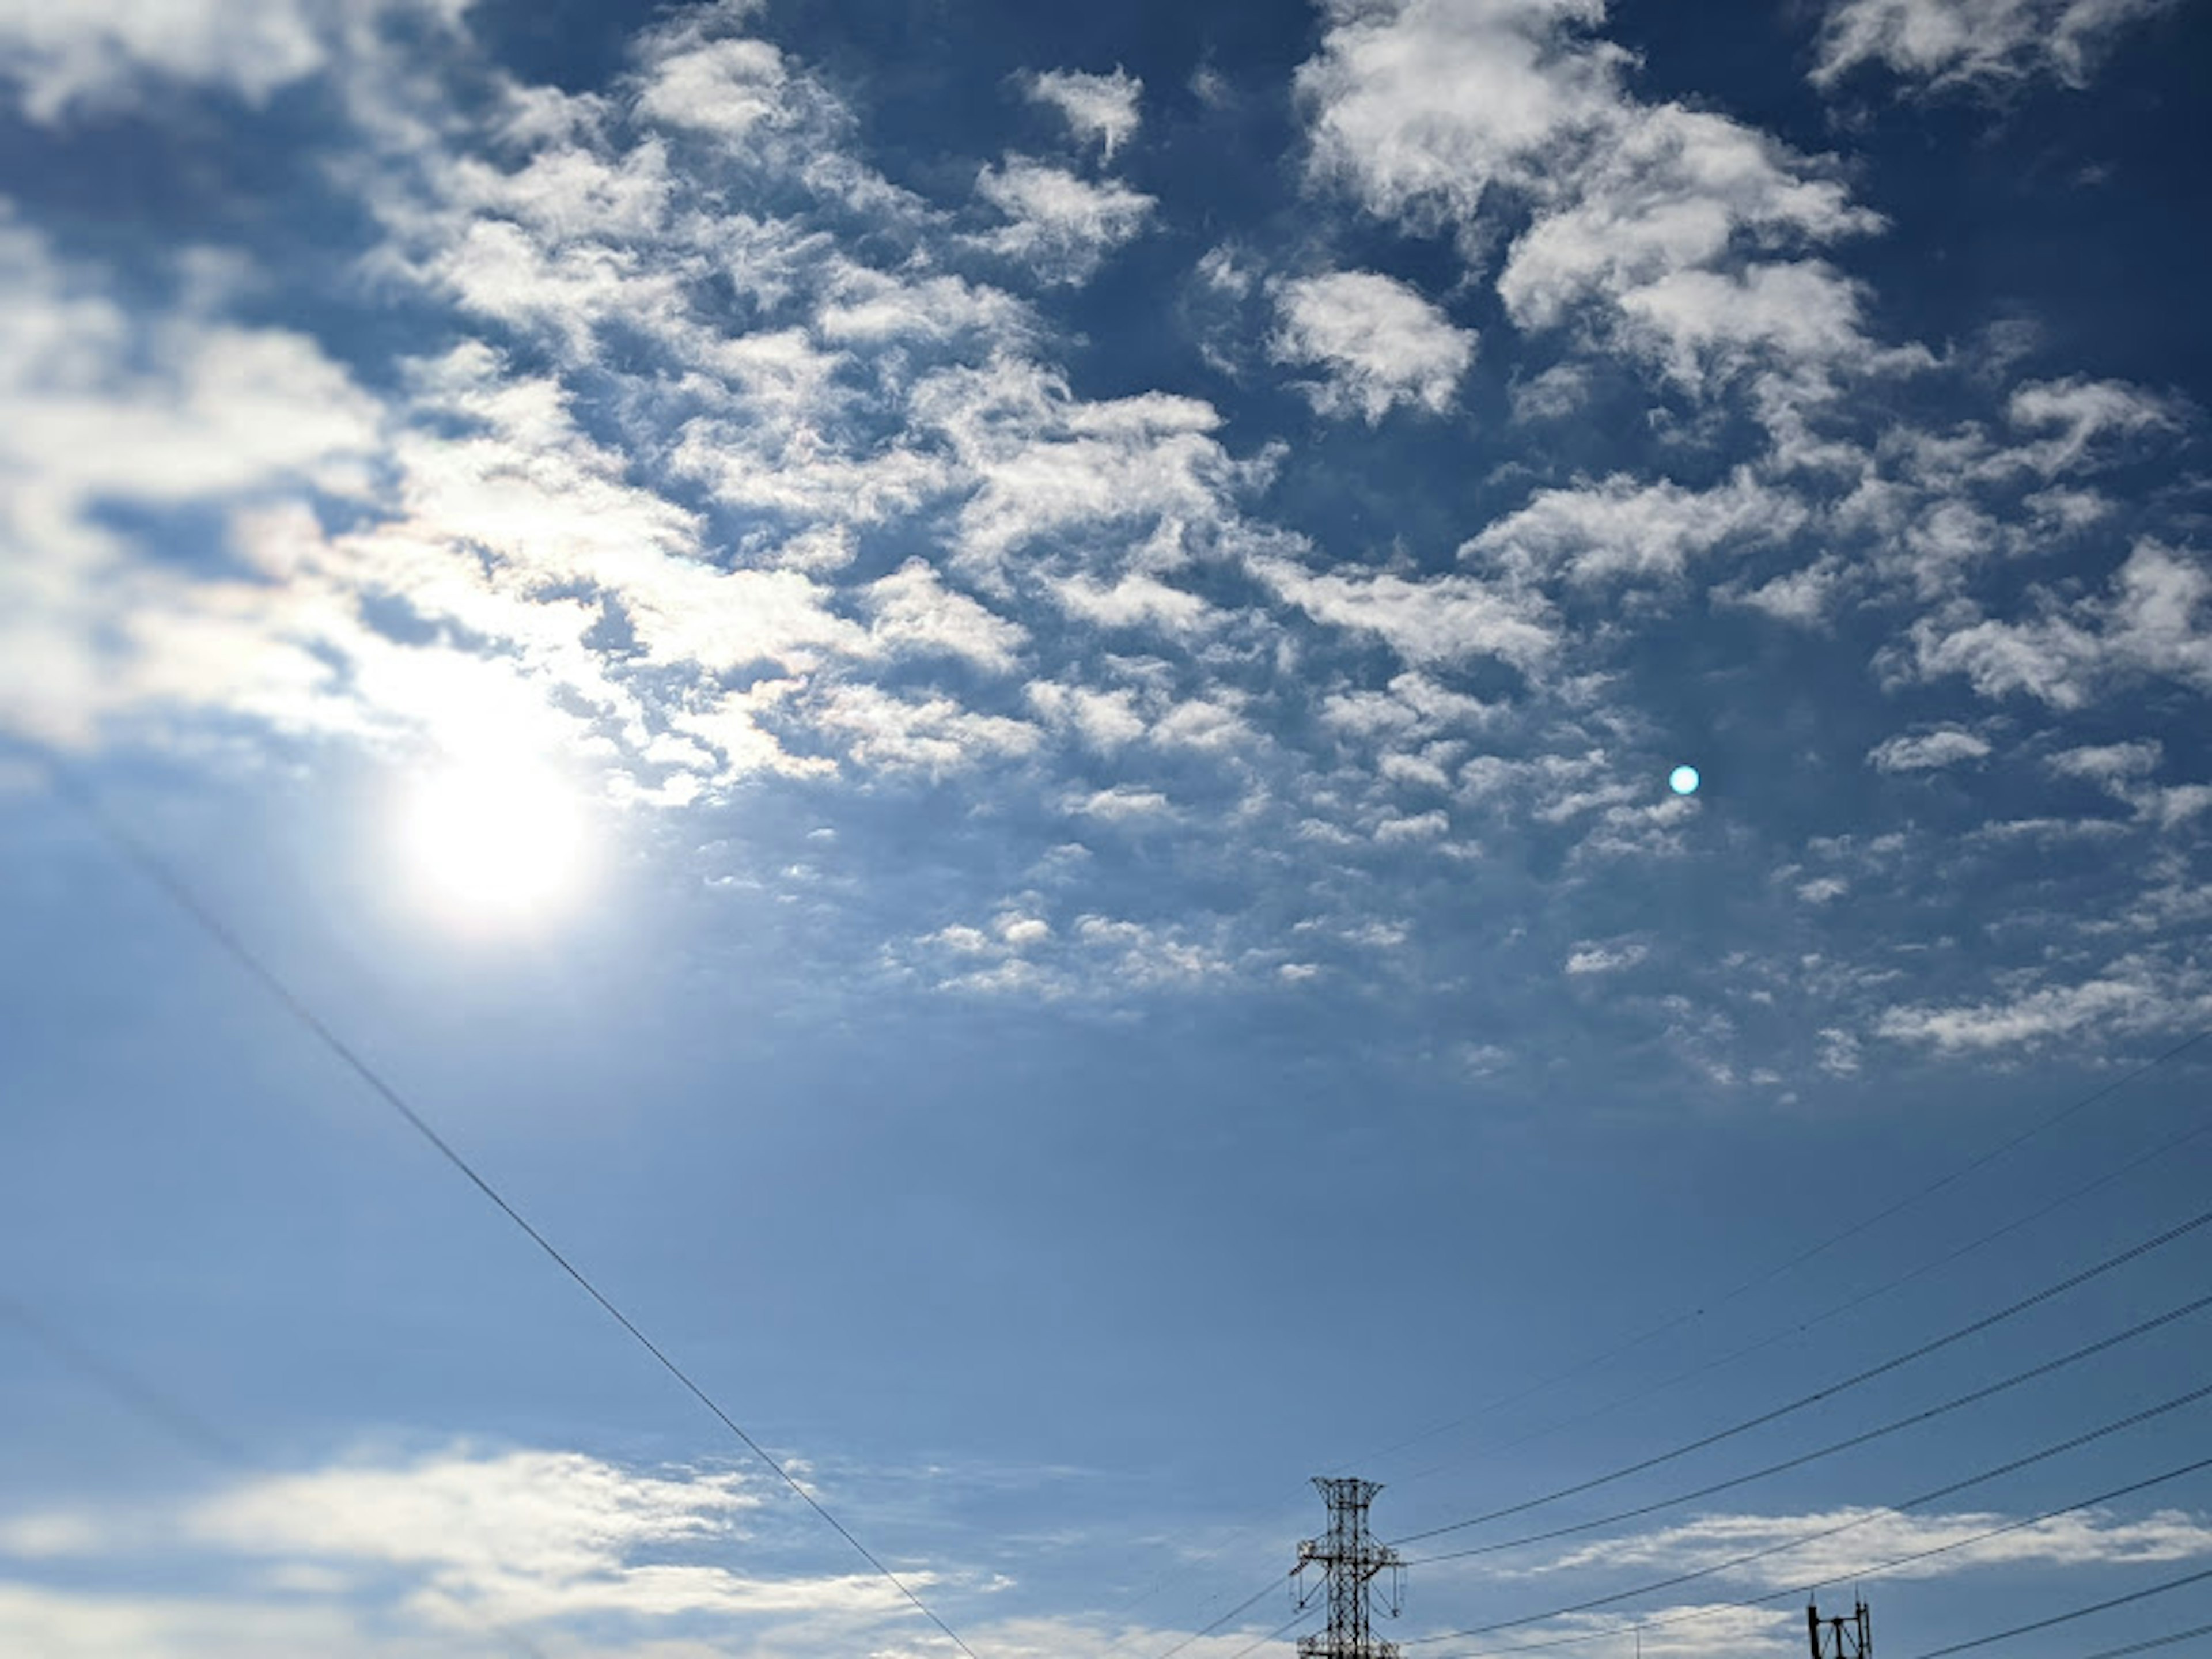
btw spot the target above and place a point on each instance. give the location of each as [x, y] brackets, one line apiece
[1878, 1569]
[182, 1423]
[156, 1407]
[1924, 1499]
[2071, 1282]
[1910, 1420]
[2073, 1109]
[2161, 1150]
[2170, 1584]
[2166, 1641]
[1209, 1629]
[1276, 1634]
[152, 866]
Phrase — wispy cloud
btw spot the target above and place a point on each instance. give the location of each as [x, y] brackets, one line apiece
[1947, 44]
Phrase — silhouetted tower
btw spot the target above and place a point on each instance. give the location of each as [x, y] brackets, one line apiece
[1841, 1638]
[1350, 1560]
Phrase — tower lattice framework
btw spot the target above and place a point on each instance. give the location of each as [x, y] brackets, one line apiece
[1848, 1638]
[1350, 1559]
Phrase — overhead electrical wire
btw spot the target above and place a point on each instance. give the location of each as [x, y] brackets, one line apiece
[1209, 1629]
[1877, 1570]
[1959, 1333]
[181, 1422]
[2073, 1109]
[150, 1403]
[1895, 1425]
[2167, 1588]
[151, 865]
[2166, 1641]
[1835, 1311]
[1879, 1513]
[1276, 1634]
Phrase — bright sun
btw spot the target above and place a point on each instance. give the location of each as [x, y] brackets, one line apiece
[495, 844]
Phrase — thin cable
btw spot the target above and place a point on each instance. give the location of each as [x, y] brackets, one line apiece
[2170, 1584]
[1882, 1513]
[151, 865]
[1836, 1311]
[156, 1407]
[140, 1397]
[2101, 1093]
[1232, 1613]
[1792, 1263]
[1279, 1631]
[2073, 1282]
[1912, 1420]
[1880, 1570]
[2161, 1150]
[2154, 1642]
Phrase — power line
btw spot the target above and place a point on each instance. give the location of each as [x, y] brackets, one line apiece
[1912, 1420]
[151, 865]
[1280, 1631]
[134, 1391]
[1837, 1311]
[2161, 1150]
[1981, 1161]
[2167, 1641]
[1886, 1511]
[1209, 1629]
[156, 1407]
[1959, 1334]
[2170, 1584]
[1878, 1569]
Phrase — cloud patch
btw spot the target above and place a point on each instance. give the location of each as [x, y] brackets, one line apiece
[1379, 343]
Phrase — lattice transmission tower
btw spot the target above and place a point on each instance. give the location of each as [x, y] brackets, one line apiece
[1350, 1560]
[1846, 1637]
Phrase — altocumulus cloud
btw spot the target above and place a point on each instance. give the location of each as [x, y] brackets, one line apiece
[732, 464]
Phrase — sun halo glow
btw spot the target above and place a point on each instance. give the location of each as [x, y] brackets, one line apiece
[493, 844]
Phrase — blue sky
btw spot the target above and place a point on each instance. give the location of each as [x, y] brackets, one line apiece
[983, 696]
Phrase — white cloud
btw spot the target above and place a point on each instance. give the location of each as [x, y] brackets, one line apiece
[1121, 803]
[726, 88]
[2131, 995]
[100, 407]
[1866, 1536]
[1671, 191]
[1803, 597]
[1098, 108]
[1135, 600]
[1620, 528]
[1840, 1054]
[1379, 341]
[94, 52]
[1924, 751]
[2115, 765]
[1062, 226]
[933, 734]
[1422, 107]
[457, 1552]
[1591, 957]
[914, 612]
[1425, 620]
[1137, 482]
[2154, 619]
[1665, 227]
[2081, 415]
[1105, 720]
[1949, 43]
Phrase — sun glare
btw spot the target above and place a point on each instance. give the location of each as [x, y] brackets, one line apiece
[495, 845]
